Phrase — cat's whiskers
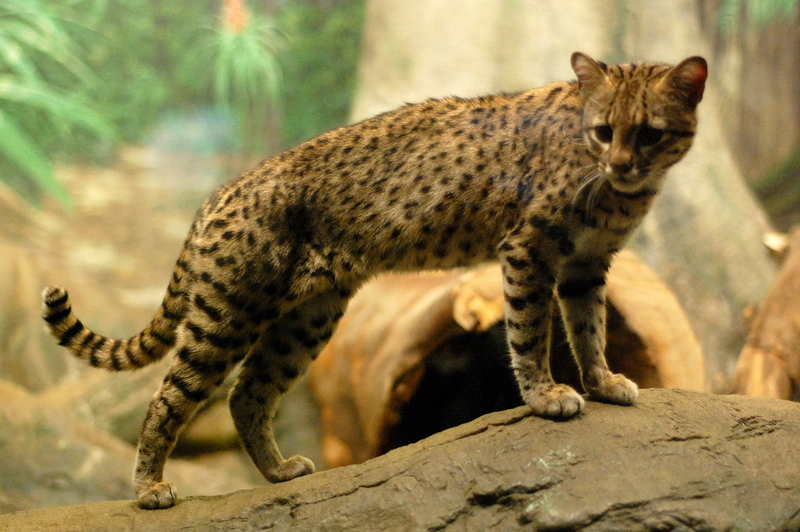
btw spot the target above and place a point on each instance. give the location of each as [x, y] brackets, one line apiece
[599, 181]
[577, 141]
[589, 179]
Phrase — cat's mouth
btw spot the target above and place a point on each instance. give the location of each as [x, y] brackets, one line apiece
[629, 182]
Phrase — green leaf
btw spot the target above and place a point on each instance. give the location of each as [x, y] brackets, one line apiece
[760, 12]
[15, 58]
[21, 151]
[245, 70]
[60, 106]
[33, 27]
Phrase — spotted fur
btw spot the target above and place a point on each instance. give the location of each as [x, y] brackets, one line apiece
[552, 181]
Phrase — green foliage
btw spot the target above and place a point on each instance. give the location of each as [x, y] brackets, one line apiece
[779, 192]
[240, 67]
[320, 65]
[38, 62]
[78, 76]
[135, 48]
[761, 12]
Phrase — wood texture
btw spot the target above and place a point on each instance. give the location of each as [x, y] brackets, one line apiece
[769, 364]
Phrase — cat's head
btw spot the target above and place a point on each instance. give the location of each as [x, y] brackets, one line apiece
[639, 119]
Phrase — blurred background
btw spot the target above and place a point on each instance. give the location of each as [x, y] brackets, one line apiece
[118, 117]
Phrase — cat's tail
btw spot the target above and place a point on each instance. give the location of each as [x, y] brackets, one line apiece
[147, 347]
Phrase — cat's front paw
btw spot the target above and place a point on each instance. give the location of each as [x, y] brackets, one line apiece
[612, 388]
[157, 496]
[555, 401]
[293, 467]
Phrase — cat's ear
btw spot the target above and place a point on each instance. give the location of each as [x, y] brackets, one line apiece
[591, 74]
[688, 78]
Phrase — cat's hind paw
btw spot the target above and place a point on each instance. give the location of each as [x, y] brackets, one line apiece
[157, 496]
[554, 401]
[613, 388]
[293, 467]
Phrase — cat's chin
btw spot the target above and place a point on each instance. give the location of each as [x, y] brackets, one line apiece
[628, 184]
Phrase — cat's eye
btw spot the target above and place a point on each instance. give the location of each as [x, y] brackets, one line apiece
[649, 136]
[604, 133]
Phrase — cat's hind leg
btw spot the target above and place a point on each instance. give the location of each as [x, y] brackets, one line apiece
[205, 354]
[282, 353]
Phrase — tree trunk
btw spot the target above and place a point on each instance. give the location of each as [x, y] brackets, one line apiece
[769, 365]
[758, 65]
[677, 460]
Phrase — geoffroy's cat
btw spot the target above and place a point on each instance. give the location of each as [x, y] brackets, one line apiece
[550, 181]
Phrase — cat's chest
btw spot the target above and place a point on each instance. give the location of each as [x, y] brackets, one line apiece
[603, 232]
[596, 241]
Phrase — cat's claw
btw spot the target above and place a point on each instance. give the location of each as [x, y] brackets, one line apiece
[157, 496]
[555, 401]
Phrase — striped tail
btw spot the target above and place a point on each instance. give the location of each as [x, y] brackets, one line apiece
[147, 347]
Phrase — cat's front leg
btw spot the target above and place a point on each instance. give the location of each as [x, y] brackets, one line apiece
[582, 298]
[529, 313]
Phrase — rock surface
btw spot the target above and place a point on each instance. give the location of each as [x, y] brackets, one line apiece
[678, 460]
[49, 456]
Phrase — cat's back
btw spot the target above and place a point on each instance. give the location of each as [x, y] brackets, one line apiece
[439, 159]
[435, 124]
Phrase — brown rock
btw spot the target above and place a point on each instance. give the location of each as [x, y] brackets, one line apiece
[677, 460]
[29, 356]
[49, 457]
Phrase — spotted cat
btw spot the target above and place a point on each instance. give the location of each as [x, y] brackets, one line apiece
[550, 181]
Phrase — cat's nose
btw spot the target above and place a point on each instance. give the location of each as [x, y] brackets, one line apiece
[620, 161]
[621, 168]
